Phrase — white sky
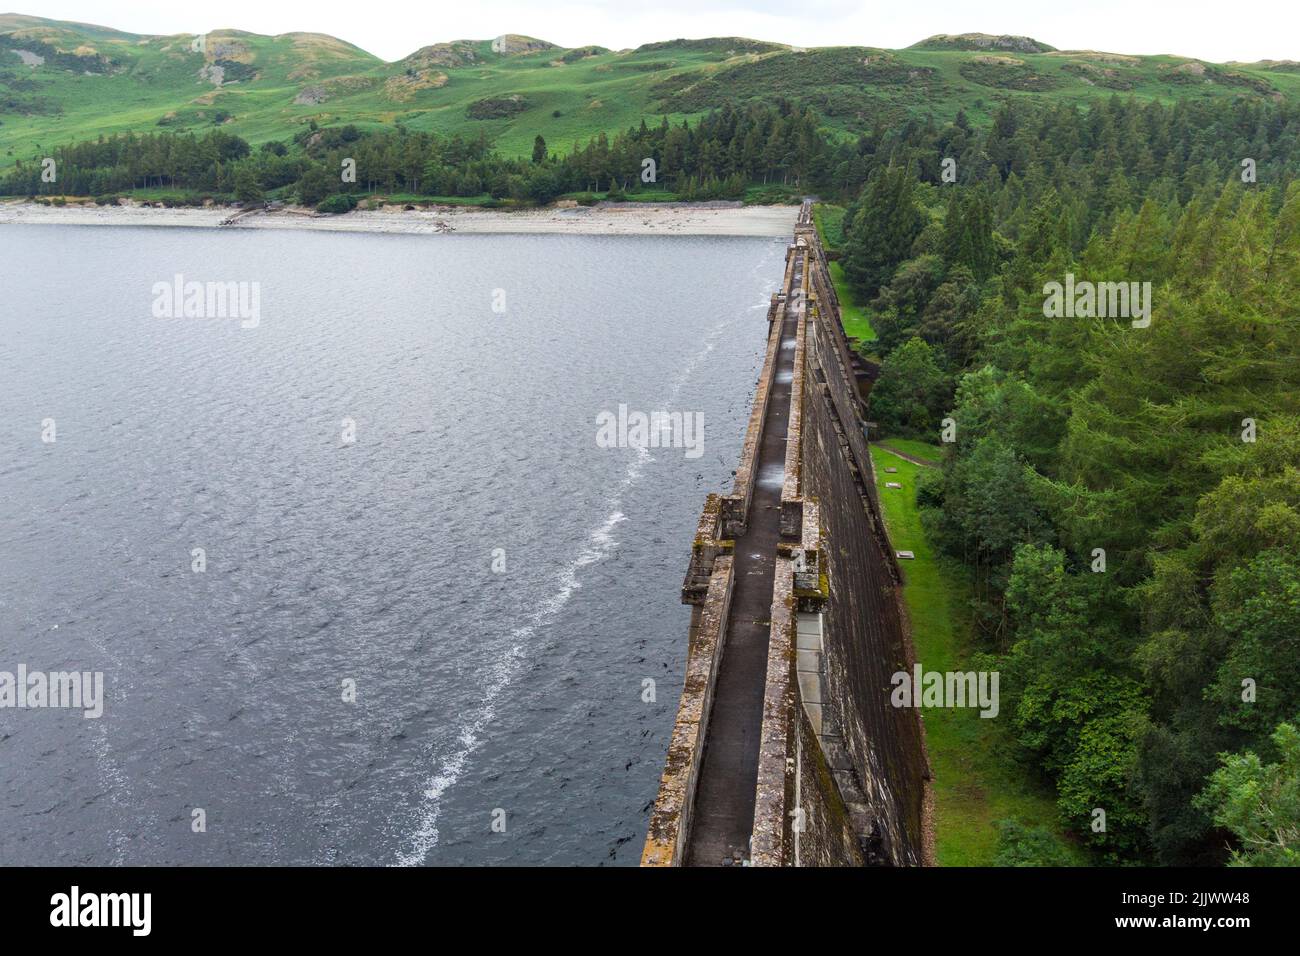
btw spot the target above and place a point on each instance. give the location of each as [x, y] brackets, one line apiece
[1217, 31]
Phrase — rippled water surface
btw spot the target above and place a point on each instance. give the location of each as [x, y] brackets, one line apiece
[371, 562]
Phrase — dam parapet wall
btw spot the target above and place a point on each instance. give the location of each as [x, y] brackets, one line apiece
[841, 774]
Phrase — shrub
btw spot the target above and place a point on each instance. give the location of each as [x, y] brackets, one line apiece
[1019, 845]
[496, 107]
[337, 204]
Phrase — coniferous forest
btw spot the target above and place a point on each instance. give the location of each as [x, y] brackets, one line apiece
[1126, 499]
[717, 157]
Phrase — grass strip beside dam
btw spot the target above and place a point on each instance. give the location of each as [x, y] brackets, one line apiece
[976, 780]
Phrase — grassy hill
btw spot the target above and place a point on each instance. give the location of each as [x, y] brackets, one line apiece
[62, 82]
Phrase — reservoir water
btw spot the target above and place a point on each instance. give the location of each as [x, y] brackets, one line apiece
[362, 584]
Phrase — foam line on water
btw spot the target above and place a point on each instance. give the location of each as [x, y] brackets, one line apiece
[451, 766]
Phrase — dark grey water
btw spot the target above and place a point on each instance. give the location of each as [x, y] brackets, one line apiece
[517, 694]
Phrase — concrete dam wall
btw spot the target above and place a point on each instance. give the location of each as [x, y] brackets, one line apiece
[786, 750]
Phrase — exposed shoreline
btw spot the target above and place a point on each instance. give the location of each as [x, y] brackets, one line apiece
[624, 219]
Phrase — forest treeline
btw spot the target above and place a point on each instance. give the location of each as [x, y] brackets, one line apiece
[1126, 497]
[717, 157]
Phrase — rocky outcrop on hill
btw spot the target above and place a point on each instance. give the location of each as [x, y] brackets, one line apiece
[514, 44]
[982, 41]
[455, 54]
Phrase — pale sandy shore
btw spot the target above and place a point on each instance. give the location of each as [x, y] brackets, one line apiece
[631, 219]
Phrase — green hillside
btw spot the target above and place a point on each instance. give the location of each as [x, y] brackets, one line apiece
[63, 82]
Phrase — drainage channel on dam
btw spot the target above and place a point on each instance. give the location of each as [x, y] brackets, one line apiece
[724, 798]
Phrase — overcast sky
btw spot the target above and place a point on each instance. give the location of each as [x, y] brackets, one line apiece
[1219, 31]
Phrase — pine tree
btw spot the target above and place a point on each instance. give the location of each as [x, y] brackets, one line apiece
[885, 223]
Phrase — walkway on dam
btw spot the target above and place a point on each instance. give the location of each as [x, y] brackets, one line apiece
[724, 798]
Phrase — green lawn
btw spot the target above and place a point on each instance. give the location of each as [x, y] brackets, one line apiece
[415, 199]
[646, 195]
[917, 449]
[829, 220]
[856, 318]
[976, 783]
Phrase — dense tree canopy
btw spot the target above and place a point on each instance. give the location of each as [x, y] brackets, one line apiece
[716, 157]
[1127, 496]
